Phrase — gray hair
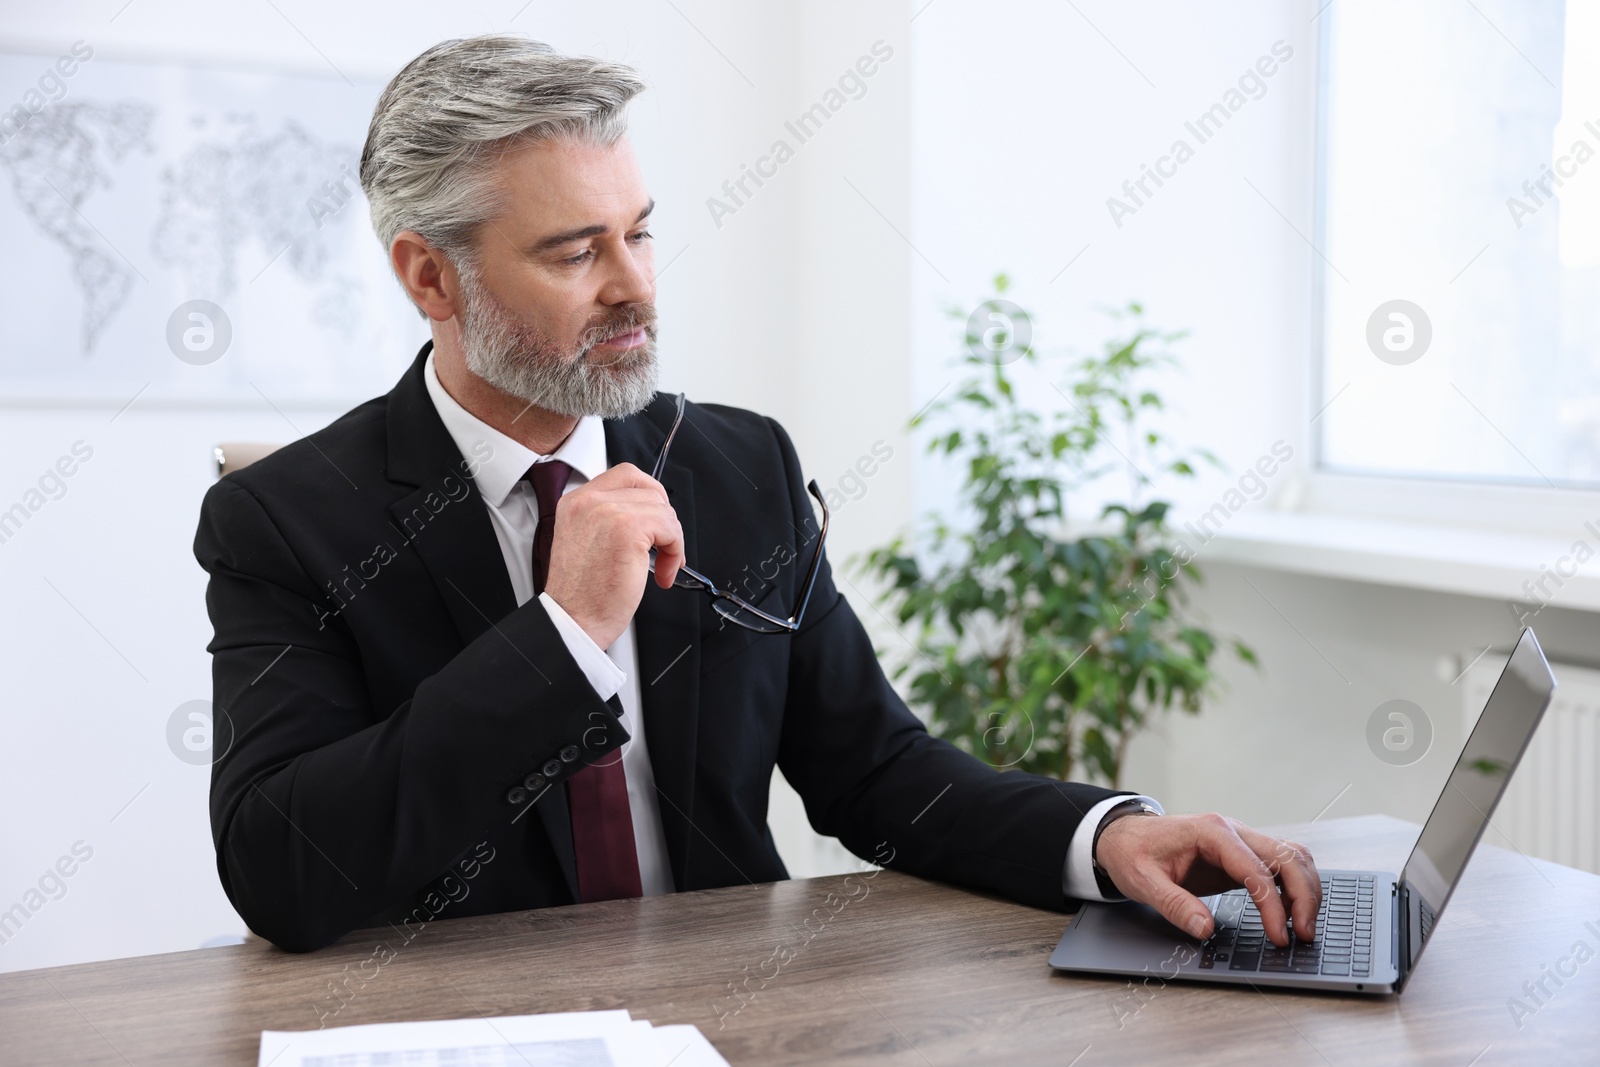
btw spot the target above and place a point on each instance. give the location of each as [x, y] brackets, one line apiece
[445, 120]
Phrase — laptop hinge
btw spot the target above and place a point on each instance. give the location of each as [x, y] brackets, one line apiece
[1401, 941]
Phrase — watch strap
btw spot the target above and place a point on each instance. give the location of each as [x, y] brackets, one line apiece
[1131, 806]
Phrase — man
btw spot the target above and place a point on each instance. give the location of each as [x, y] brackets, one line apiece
[453, 674]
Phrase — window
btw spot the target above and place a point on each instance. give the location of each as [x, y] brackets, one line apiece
[1459, 242]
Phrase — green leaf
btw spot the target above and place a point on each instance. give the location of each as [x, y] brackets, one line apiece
[1033, 644]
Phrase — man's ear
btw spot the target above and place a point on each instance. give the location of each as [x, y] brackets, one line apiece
[428, 274]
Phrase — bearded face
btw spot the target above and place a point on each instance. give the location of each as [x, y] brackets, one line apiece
[609, 369]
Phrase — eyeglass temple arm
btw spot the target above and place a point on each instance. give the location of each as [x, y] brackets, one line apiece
[792, 623]
[661, 463]
[816, 560]
[666, 446]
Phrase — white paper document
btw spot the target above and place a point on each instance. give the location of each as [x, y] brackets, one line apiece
[569, 1039]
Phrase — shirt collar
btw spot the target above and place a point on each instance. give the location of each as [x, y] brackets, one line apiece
[508, 460]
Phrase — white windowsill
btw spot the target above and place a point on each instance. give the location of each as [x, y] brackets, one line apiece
[1412, 555]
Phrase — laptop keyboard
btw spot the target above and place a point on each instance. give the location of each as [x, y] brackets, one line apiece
[1343, 949]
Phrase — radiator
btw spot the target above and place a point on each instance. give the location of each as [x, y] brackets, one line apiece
[1552, 805]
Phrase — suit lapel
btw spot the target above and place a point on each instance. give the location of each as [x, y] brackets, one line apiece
[667, 636]
[459, 548]
[444, 518]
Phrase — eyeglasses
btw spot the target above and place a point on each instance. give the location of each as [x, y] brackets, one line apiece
[729, 605]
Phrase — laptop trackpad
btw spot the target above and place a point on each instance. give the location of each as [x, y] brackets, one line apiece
[1122, 937]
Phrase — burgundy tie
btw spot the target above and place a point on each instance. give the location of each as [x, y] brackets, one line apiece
[602, 821]
[549, 480]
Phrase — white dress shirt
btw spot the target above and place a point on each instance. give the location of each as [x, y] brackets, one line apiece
[514, 514]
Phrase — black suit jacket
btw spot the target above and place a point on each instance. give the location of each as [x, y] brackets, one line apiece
[382, 701]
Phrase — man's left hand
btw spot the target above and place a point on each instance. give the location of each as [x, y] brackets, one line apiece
[1169, 861]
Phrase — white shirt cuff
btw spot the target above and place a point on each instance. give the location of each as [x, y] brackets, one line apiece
[1078, 879]
[606, 677]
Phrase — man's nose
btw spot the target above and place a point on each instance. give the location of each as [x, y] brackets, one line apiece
[632, 281]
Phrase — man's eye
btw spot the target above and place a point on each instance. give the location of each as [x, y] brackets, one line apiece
[579, 259]
[643, 236]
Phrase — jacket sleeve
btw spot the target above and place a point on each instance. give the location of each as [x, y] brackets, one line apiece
[325, 810]
[871, 775]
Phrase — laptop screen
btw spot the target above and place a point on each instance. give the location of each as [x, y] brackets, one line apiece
[1477, 782]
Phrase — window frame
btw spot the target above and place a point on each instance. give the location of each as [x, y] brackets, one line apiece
[1473, 503]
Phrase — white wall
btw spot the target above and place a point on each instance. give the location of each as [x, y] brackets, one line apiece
[772, 310]
[1289, 743]
[1026, 119]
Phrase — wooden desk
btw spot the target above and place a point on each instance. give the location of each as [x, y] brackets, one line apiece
[911, 973]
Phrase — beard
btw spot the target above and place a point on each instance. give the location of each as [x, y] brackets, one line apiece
[518, 358]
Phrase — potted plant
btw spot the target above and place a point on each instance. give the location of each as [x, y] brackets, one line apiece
[1038, 643]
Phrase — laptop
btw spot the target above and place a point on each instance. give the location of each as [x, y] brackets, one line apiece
[1373, 925]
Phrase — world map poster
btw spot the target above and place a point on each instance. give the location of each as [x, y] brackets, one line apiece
[190, 234]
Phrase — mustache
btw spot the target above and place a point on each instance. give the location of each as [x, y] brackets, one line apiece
[622, 321]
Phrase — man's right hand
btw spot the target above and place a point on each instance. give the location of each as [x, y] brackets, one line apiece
[600, 550]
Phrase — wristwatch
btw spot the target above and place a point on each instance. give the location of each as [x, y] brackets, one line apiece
[1132, 806]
